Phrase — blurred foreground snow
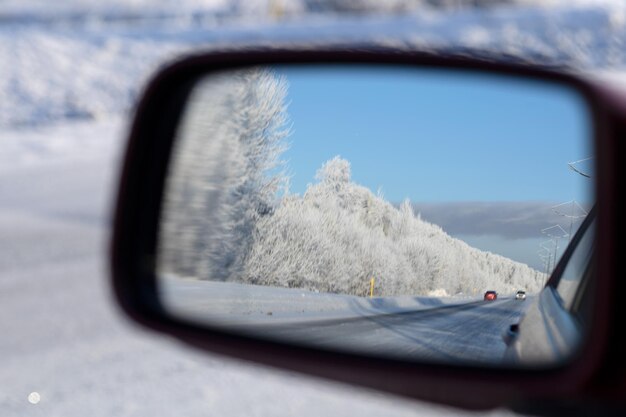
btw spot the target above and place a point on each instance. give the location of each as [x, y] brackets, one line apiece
[64, 339]
[91, 64]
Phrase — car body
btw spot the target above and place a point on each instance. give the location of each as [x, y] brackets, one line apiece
[490, 296]
[520, 295]
[557, 319]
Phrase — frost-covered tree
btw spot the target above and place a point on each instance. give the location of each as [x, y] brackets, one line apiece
[225, 173]
[339, 234]
[335, 171]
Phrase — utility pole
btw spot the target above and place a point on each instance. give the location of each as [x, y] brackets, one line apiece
[555, 233]
[545, 256]
[545, 253]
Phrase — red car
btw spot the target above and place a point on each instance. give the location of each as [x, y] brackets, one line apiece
[491, 295]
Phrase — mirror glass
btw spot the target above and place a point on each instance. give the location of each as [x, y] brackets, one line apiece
[387, 211]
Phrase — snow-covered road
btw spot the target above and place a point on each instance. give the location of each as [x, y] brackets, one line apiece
[443, 329]
[451, 333]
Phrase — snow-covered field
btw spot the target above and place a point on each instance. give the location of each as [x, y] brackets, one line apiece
[94, 64]
[68, 79]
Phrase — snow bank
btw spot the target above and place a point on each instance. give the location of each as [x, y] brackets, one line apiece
[234, 303]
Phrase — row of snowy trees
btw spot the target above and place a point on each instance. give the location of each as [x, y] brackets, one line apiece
[232, 134]
[224, 218]
[339, 234]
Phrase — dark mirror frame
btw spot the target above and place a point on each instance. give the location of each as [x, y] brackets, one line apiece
[577, 384]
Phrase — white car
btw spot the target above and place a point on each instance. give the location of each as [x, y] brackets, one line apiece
[520, 295]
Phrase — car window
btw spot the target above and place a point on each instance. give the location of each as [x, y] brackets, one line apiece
[576, 267]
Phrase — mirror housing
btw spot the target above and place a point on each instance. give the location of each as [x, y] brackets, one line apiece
[577, 383]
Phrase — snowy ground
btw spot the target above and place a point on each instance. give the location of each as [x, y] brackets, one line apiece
[67, 83]
[64, 339]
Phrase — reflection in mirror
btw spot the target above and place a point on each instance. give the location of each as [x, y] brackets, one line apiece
[396, 212]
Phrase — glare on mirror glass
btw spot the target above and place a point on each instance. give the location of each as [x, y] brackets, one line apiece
[394, 212]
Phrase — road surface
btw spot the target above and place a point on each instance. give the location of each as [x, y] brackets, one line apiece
[434, 328]
[452, 333]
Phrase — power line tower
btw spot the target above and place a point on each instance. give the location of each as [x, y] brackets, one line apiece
[571, 210]
[576, 213]
[575, 166]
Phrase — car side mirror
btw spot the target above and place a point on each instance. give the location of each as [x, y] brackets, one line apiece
[238, 236]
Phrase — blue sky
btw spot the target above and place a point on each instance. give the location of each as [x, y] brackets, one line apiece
[451, 140]
[436, 136]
